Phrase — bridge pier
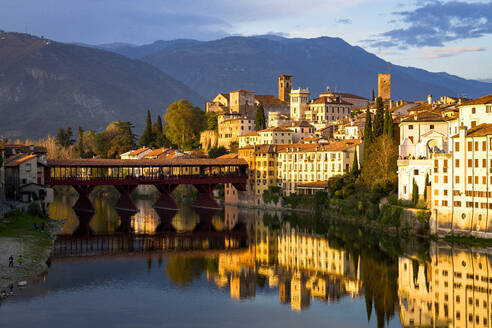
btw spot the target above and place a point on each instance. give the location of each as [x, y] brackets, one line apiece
[205, 198]
[125, 220]
[83, 202]
[85, 217]
[166, 200]
[126, 202]
[166, 219]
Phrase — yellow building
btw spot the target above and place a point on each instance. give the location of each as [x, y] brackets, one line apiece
[270, 136]
[229, 130]
[304, 163]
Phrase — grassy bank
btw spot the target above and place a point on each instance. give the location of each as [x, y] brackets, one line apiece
[468, 241]
[19, 237]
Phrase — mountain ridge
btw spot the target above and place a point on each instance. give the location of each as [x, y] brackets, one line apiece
[315, 63]
[45, 85]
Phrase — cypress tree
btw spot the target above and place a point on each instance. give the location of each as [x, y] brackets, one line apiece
[146, 139]
[415, 192]
[373, 96]
[260, 123]
[379, 118]
[427, 183]
[368, 137]
[355, 164]
[385, 125]
[390, 129]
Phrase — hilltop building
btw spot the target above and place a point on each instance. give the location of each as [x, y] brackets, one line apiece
[384, 86]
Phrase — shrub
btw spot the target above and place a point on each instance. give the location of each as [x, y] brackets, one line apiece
[422, 204]
[393, 200]
[34, 210]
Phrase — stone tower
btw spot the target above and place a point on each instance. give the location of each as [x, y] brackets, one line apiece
[384, 86]
[284, 87]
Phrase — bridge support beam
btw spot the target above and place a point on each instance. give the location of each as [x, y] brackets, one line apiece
[166, 200]
[126, 202]
[84, 203]
[205, 198]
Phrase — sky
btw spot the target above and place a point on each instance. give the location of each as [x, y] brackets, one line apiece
[436, 35]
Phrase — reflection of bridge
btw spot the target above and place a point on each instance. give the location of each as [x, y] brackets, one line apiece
[126, 243]
[85, 174]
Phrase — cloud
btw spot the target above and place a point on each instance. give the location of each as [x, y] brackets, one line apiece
[448, 52]
[343, 21]
[435, 22]
[99, 21]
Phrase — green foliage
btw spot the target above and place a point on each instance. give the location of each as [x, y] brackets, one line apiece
[35, 210]
[393, 200]
[147, 137]
[391, 215]
[184, 122]
[468, 241]
[373, 96]
[116, 139]
[260, 121]
[427, 183]
[217, 152]
[271, 195]
[211, 121]
[389, 129]
[415, 192]
[379, 118]
[271, 221]
[64, 137]
[355, 165]
[234, 147]
[368, 137]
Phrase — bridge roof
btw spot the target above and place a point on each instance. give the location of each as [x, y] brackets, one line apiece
[146, 162]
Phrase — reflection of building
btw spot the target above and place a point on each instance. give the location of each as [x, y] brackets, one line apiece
[452, 290]
[299, 294]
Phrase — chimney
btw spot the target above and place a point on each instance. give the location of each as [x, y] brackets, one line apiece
[429, 99]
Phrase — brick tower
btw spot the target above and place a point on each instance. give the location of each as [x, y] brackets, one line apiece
[284, 87]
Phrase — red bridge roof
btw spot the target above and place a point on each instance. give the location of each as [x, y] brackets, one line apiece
[147, 162]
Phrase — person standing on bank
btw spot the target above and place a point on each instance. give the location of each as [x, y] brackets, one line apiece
[11, 261]
[20, 259]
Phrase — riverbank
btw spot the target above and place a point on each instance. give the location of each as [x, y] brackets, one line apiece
[19, 237]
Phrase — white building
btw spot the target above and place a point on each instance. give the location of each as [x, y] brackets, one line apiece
[299, 99]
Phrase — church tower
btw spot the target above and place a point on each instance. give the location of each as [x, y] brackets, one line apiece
[284, 87]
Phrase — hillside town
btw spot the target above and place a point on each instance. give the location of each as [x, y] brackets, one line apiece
[294, 144]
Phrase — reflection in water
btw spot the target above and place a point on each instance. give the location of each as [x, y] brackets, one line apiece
[451, 289]
[298, 260]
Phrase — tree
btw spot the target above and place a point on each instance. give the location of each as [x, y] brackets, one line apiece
[355, 165]
[368, 137]
[260, 123]
[159, 134]
[415, 192]
[380, 168]
[117, 139]
[147, 136]
[211, 120]
[80, 143]
[427, 183]
[184, 122]
[379, 118]
[64, 137]
[217, 152]
[373, 96]
[390, 130]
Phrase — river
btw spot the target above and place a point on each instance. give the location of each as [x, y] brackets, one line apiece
[244, 268]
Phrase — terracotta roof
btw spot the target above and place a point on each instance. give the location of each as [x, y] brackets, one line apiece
[314, 184]
[481, 130]
[330, 100]
[242, 90]
[18, 159]
[138, 151]
[479, 101]
[144, 162]
[428, 116]
[302, 124]
[228, 156]
[335, 146]
[22, 148]
[348, 95]
[270, 100]
[250, 134]
[275, 129]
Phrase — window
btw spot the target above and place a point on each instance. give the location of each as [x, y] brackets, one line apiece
[457, 146]
[410, 127]
[415, 172]
[28, 167]
[470, 146]
[457, 179]
[473, 124]
[474, 110]
[457, 163]
[432, 127]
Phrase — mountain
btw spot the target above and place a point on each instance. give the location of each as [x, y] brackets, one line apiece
[255, 62]
[134, 51]
[45, 85]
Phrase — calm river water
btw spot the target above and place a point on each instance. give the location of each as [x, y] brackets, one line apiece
[245, 268]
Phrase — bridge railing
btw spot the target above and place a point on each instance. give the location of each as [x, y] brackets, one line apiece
[141, 174]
